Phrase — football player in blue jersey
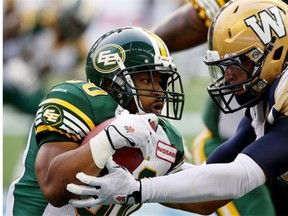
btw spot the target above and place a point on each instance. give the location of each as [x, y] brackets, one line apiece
[247, 60]
[186, 28]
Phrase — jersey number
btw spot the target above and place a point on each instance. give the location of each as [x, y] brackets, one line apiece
[93, 90]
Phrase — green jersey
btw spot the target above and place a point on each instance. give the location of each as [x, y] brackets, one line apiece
[67, 114]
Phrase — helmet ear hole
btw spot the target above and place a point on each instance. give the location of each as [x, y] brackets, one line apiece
[278, 53]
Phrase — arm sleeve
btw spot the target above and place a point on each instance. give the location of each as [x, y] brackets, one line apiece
[228, 151]
[205, 182]
[270, 151]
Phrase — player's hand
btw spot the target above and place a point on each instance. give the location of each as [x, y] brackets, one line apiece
[117, 187]
[126, 130]
[129, 130]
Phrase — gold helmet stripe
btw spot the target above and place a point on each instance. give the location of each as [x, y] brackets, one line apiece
[159, 43]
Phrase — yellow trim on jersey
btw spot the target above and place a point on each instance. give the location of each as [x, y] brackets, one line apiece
[227, 210]
[202, 10]
[199, 156]
[197, 147]
[50, 128]
[94, 212]
[221, 2]
[70, 106]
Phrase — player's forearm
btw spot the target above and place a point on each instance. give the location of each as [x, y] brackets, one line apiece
[61, 170]
[205, 183]
[182, 29]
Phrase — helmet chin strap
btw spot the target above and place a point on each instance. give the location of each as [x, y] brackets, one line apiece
[131, 83]
[137, 101]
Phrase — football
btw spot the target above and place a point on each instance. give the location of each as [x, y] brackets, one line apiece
[129, 158]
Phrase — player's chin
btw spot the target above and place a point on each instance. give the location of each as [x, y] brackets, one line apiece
[155, 110]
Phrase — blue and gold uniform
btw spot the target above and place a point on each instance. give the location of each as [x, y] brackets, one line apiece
[218, 127]
[215, 132]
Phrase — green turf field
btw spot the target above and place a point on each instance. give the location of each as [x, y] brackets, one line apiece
[12, 153]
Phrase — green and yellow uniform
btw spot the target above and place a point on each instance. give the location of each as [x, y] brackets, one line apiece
[67, 114]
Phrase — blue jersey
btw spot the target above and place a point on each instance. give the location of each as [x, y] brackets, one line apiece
[262, 133]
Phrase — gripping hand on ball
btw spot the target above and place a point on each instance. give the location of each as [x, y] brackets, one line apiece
[126, 130]
[117, 187]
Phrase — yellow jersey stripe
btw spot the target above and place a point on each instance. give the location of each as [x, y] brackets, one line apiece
[197, 147]
[51, 128]
[221, 2]
[227, 210]
[199, 156]
[69, 106]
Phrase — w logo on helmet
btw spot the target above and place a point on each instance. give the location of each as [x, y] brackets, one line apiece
[107, 58]
[268, 22]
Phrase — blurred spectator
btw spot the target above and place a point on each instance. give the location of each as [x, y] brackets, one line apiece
[46, 40]
[41, 39]
[114, 14]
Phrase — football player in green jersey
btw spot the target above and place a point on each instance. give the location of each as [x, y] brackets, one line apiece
[127, 69]
[247, 59]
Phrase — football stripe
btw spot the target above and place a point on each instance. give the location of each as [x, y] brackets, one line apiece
[51, 128]
[157, 43]
[75, 123]
[38, 116]
[69, 130]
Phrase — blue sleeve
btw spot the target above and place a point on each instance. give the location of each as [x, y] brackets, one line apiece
[228, 151]
[271, 150]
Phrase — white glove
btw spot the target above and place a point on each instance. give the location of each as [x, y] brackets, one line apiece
[101, 190]
[126, 130]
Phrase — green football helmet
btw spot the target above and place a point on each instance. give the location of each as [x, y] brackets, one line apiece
[120, 54]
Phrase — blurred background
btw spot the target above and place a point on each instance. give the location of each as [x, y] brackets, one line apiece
[46, 41]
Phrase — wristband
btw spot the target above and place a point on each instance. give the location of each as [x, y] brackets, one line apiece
[101, 149]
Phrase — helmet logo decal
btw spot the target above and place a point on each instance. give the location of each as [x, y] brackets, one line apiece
[105, 59]
[267, 23]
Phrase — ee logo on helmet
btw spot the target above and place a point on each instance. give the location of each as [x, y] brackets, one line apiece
[108, 58]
